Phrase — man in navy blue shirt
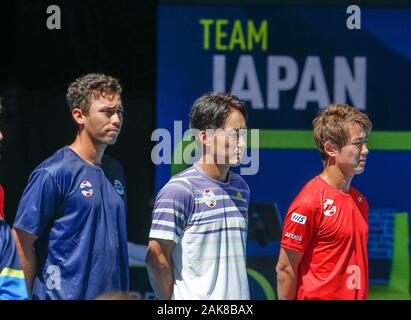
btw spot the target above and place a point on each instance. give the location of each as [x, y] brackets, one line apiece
[71, 222]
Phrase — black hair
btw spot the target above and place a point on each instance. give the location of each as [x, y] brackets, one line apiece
[211, 110]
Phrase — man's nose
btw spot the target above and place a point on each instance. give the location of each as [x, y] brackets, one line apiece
[116, 118]
[241, 142]
[365, 149]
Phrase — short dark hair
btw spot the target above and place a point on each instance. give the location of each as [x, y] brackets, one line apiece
[330, 125]
[211, 110]
[80, 91]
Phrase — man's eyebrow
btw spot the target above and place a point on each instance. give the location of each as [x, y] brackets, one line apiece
[361, 138]
[104, 107]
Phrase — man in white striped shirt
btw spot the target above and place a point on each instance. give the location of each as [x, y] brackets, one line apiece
[197, 243]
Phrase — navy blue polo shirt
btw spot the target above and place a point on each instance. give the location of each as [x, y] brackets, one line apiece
[78, 211]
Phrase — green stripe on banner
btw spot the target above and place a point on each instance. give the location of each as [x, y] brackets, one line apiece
[284, 139]
[302, 139]
[389, 140]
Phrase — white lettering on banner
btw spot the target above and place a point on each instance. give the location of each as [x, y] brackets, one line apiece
[354, 280]
[274, 83]
[310, 86]
[312, 74]
[354, 20]
[219, 73]
[353, 83]
[246, 74]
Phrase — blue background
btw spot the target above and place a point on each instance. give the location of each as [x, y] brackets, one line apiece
[185, 72]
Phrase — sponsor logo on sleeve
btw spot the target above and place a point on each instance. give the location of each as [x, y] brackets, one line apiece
[299, 218]
[293, 236]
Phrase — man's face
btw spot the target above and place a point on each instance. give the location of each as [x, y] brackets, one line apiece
[104, 119]
[352, 157]
[229, 140]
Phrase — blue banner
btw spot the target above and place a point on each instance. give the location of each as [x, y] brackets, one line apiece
[286, 63]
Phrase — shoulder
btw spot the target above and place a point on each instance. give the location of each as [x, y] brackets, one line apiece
[56, 173]
[238, 181]
[177, 194]
[113, 170]
[180, 185]
[359, 198]
[111, 163]
[311, 190]
[303, 203]
[56, 163]
[309, 197]
[356, 193]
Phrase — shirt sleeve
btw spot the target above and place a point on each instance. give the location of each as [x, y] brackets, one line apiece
[12, 282]
[173, 205]
[38, 204]
[299, 226]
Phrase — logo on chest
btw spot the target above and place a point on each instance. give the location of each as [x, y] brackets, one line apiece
[329, 209]
[209, 198]
[118, 186]
[86, 185]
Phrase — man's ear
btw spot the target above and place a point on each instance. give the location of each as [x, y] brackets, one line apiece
[330, 149]
[202, 135]
[78, 116]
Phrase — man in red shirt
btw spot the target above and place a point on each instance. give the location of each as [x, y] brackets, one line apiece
[323, 252]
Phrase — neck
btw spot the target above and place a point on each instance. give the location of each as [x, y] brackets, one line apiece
[87, 149]
[216, 171]
[336, 178]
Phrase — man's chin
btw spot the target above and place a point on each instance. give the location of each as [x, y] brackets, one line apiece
[360, 169]
[235, 161]
[112, 141]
